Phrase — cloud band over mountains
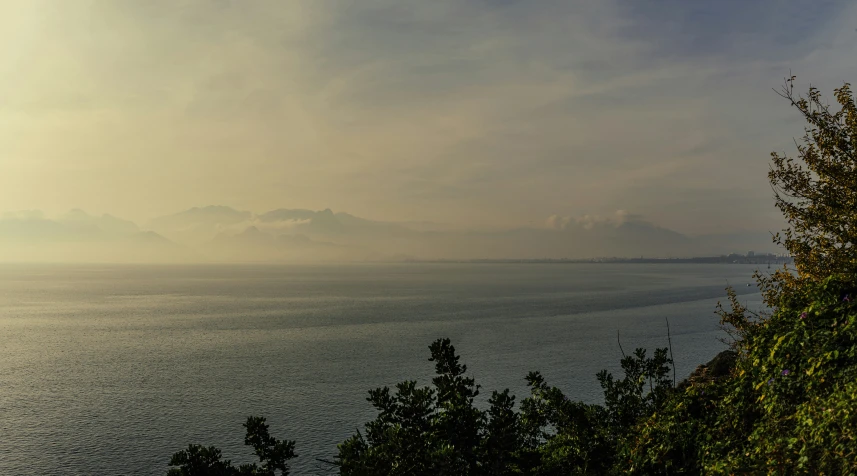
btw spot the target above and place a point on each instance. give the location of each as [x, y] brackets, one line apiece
[224, 234]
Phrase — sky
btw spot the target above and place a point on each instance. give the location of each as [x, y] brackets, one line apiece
[480, 113]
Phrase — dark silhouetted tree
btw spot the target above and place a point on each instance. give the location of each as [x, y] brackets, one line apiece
[273, 456]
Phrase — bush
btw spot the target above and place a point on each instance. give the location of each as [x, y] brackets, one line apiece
[788, 406]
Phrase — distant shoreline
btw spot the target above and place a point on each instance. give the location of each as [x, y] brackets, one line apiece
[731, 259]
[765, 260]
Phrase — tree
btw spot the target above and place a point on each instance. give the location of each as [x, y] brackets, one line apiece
[273, 456]
[779, 409]
[428, 430]
[502, 438]
[817, 194]
[439, 430]
[563, 436]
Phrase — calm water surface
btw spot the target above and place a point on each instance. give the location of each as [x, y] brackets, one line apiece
[111, 369]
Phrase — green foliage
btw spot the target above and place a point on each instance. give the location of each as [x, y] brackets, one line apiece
[817, 194]
[626, 400]
[273, 456]
[439, 430]
[197, 460]
[502, 440]
[788, 406]
[432, 430]
[562, 436]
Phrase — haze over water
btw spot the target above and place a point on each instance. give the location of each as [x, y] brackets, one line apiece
[111, 369]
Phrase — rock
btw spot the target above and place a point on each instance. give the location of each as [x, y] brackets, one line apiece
[718, 367]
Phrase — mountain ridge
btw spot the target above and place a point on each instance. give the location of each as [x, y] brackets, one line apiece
[219, 232]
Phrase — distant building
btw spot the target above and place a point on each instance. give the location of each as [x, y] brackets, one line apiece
[750, 254]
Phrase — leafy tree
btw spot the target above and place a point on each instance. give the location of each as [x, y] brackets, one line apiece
[439, 430]
[400, 440]
[502, 439]
[273, 456]
[457, 422]
[197, 460]
[571, 437]
[562, 436]
[429, 430]
[817, 194]
[627, 400]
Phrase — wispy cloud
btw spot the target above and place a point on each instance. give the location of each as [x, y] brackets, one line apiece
[500, 111]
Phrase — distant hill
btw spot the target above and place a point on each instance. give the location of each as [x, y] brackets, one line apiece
[319, 223]
[198, 225]
[738, 242]
[255, 245]
[221, 233]
[80, 237]
[575, 240]
[106, 223]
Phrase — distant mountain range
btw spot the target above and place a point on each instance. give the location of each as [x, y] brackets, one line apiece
[223, 234]
[78, 236]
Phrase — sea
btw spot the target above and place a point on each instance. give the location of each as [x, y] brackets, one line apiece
[110, 369]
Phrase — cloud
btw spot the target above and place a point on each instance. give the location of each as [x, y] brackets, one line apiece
[731, 29]
[275, 226]
[588, 222]
[557, 222]
[441, 110]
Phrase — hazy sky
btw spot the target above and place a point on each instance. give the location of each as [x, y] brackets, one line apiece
[483, 112]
